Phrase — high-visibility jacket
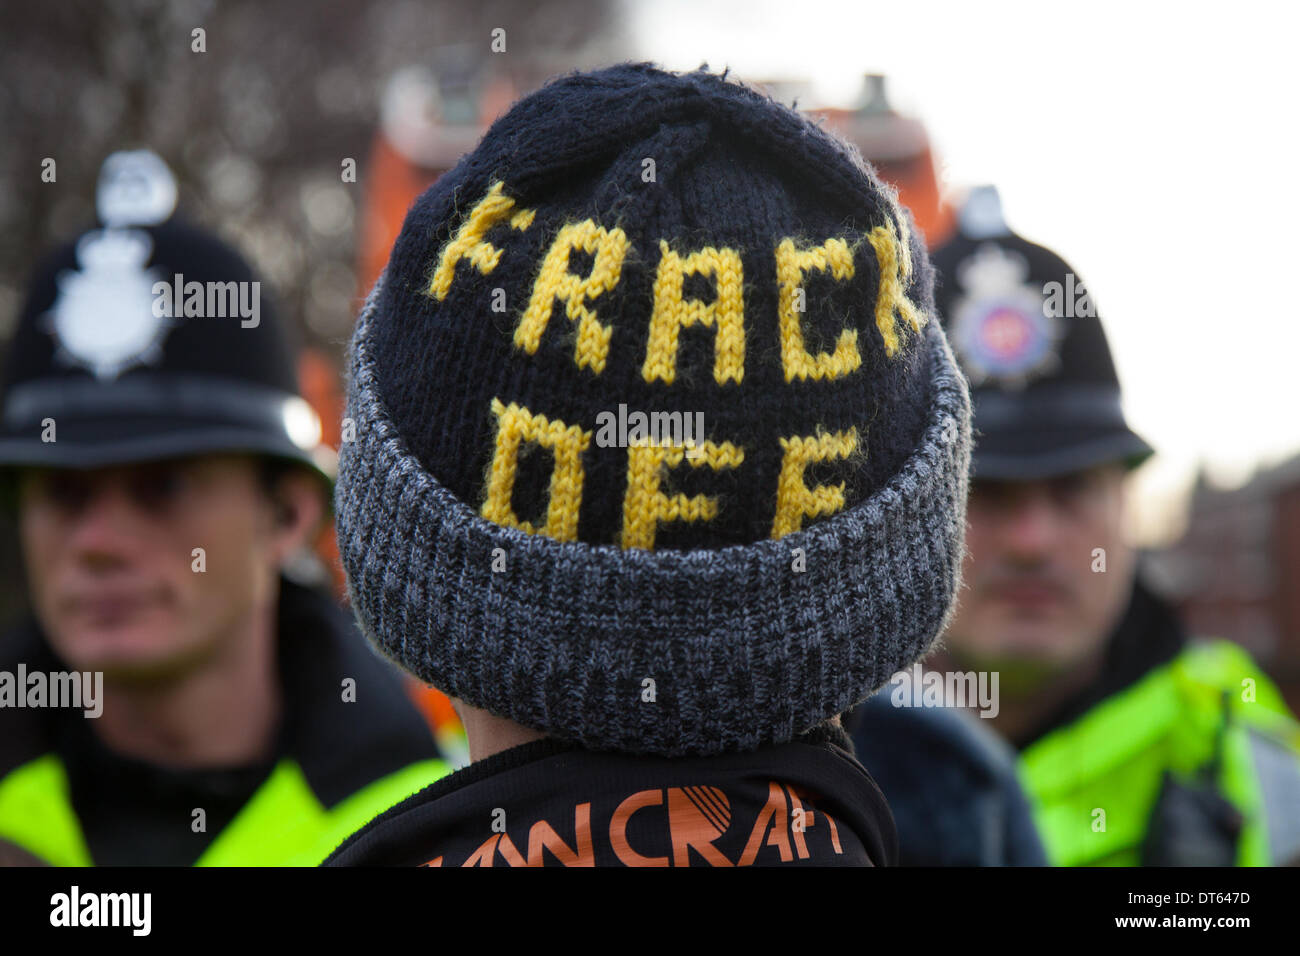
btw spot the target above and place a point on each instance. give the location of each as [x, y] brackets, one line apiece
[283, 824]
[350, 745]
[1206, 719]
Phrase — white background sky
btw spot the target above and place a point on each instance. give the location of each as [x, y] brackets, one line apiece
[1152, 145]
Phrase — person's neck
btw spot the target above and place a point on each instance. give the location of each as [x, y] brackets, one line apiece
[1026, 697]
[222, 713]
[489, 734]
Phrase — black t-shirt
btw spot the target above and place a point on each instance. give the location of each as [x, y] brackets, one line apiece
[134, 813]
[549, 803]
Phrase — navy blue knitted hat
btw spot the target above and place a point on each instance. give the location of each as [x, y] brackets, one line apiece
[657, 447]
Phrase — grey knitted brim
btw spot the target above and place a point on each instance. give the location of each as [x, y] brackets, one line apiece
[658, 652]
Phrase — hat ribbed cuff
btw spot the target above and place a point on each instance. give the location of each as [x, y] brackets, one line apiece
[742, 648]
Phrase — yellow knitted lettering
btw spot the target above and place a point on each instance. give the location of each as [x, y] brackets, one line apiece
[469, 242]
[791, 264]
[645, 506]
[794, 499]
[515, 425]
[556, 282]
[522, 219]
[671, 313]
[894, 255]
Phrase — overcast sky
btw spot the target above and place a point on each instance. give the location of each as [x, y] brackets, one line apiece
[1152, 145]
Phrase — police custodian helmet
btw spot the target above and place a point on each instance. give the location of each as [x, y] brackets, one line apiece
[1045, 394]
[146, 339]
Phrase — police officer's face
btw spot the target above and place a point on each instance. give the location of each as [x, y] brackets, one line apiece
[114, 565]
[1036, 593]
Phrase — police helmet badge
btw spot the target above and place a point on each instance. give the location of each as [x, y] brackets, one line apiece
[106, 317]
[1001, 327]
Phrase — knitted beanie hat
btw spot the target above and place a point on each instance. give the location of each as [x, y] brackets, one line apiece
[652, 442]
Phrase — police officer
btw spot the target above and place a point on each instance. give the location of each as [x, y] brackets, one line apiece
[160, 463]
[1137, 745]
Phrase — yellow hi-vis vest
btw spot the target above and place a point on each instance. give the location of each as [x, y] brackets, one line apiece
[1094, 782]
[283, 823]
